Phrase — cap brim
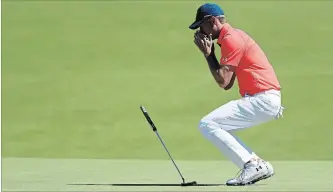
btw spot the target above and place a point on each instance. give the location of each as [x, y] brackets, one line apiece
[195, 25]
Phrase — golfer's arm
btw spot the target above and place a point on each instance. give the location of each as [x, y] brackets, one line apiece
[231, 83]
[222, 74]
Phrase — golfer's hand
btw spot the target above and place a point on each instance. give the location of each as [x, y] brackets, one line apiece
[203, 42]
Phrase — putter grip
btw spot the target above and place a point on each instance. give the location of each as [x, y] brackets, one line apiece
[145, 113]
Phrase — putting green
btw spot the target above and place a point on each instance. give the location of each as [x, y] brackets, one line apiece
[30, 174]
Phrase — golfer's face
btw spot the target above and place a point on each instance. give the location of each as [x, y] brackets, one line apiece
[206, 28]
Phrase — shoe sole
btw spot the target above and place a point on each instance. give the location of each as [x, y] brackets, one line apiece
[259, 179]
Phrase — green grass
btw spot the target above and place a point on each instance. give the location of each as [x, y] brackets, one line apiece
[20, 174]
[74, 74]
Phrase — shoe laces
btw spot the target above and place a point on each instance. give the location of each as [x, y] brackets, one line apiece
[242, 173]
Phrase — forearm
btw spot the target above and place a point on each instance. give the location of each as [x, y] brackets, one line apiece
[231, 83]
[212, 61]
[215, 68]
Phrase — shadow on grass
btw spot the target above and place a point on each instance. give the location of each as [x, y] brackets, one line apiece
[149, 184]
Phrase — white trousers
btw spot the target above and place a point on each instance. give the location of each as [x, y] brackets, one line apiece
[219, 125]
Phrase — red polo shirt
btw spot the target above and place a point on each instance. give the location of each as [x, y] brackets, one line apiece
[253, 70]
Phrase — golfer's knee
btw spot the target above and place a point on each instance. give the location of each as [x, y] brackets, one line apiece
[203, 125]
[207, 126]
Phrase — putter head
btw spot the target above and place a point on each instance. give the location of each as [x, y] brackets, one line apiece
[193, 183]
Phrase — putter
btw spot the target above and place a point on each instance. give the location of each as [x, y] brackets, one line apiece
[145, 113]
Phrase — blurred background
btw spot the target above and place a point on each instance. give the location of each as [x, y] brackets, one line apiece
[75, 73]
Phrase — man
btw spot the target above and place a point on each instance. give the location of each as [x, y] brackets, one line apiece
[241, 58]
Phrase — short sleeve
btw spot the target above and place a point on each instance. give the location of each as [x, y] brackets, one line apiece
[231, 51]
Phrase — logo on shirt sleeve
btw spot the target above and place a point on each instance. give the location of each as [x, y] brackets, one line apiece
[224, 60]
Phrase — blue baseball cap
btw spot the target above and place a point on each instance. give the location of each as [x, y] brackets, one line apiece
[203, 12]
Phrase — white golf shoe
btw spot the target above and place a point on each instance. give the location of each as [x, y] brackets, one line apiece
[252, 172]
[270, 169]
